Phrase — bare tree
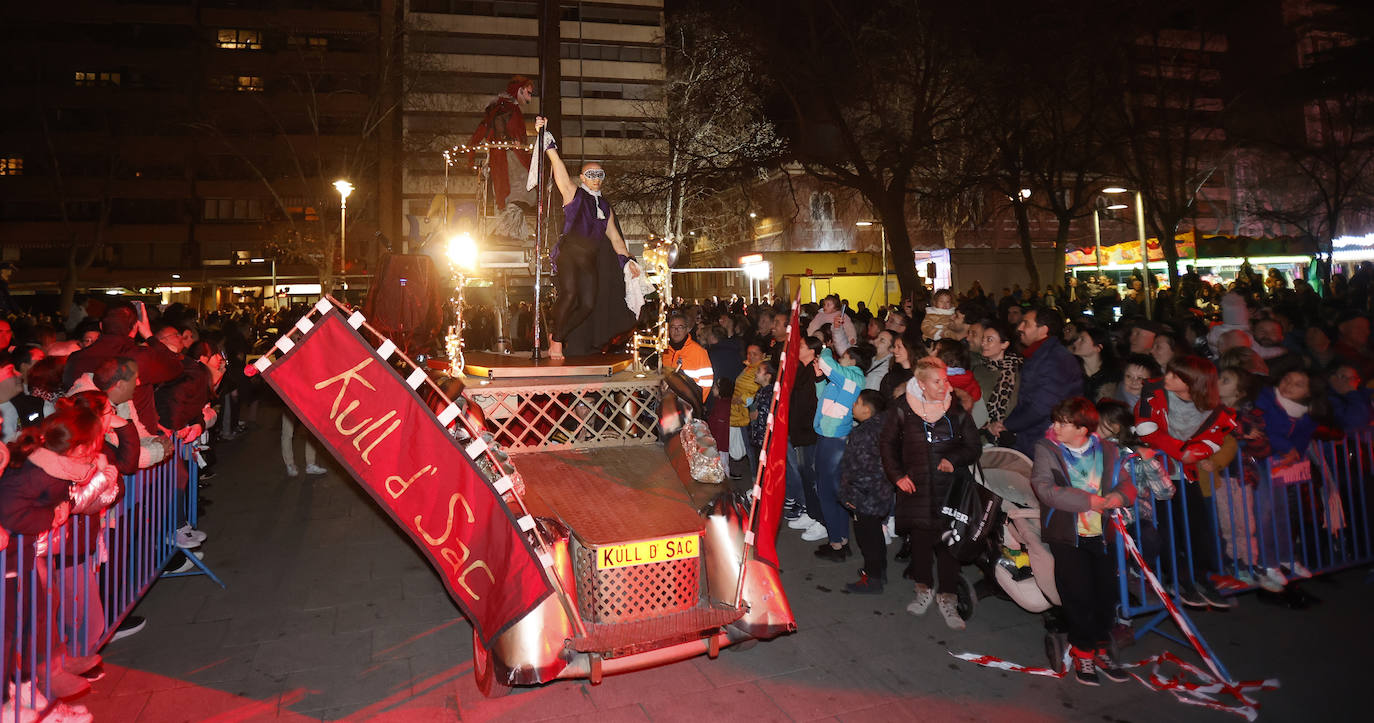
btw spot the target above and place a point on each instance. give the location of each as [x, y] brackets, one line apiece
[871, 90]
[1169, 111]
[704, 134]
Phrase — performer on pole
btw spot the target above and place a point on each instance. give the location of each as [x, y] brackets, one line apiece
[589, 272]
[504, 123]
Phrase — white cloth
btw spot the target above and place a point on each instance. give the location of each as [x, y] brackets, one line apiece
[532, 179]
[636, 288]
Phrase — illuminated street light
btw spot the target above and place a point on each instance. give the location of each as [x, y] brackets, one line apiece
[344, 188]
[1140, 231]
[1025, 193]
[753, 215]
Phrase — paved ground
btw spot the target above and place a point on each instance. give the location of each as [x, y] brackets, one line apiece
[330, 614]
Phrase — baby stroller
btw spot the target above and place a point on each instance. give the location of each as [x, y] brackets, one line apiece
[1025, 570]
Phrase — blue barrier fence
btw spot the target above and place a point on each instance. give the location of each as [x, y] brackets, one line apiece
[1310, 516]
[64, 593]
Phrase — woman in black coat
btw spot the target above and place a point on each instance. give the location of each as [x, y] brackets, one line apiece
[925, 443]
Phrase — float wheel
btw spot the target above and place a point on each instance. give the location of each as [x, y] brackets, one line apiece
[484, 671]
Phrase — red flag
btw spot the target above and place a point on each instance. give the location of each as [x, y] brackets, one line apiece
[773, 485]
[377, 427]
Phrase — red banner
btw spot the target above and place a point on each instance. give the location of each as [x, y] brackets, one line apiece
[378, 428]
[774, 483]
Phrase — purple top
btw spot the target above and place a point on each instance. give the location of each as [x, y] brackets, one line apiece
[579, 215]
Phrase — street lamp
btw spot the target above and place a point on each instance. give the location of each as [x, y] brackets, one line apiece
[344, 188]
[1144, 246]
[883, 230]
[276, 304]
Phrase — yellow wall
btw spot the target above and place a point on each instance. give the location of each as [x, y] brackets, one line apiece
[786, 263]
[857, 287]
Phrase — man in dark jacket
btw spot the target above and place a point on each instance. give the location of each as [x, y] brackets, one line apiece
[1050, 375]
[181, 402]
[156, 365]
[727, 359]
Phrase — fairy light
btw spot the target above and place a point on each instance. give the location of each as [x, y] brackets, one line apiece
[452, 155]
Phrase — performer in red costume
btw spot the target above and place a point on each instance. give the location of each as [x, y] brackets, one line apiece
[504, 123]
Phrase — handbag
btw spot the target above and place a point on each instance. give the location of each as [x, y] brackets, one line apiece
[970, 511]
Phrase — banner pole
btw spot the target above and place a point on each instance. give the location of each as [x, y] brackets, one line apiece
[757, 493]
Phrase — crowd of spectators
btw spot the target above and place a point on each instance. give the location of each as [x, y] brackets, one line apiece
[96, 394]
[893, 403]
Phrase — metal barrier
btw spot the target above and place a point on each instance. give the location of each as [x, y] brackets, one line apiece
[1314, 513]
[64, 593]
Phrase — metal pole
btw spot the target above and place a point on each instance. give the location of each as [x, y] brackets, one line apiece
[1097, 240]
[276, 300]
[343, 237]
[1144, 252]
[883, 230]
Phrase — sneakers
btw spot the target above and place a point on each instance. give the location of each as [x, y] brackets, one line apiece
[130, 626]
[80, 665]
[801, 522]
[192, 533]
[1212, 596]
[292, 471]
[924, 597]
[67, 713]
[903, 552]
[1107, 667]
[1189, 596]
[1084, 668]
[815, 532]
[1298, 570]
[65, 685]
[865, 586]
[315, 469]
[834, 554]
[186, 564]
[880, 578]
[791, 509]
[184, 539]
[1273, 580]
[948, 603]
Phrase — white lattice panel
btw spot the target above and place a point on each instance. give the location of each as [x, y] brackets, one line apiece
[542, 417]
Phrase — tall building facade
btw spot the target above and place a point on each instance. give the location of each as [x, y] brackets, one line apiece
[146, 137]
[461, 53]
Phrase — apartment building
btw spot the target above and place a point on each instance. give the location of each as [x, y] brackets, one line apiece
[154, 137]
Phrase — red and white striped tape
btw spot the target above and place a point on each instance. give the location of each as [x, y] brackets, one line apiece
[1201, 690]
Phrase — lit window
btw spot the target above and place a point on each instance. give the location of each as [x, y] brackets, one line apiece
[92, 79]
[11, 165]
[236, 39]
[248, 83]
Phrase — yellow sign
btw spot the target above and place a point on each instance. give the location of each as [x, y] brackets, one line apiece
[643, 553]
